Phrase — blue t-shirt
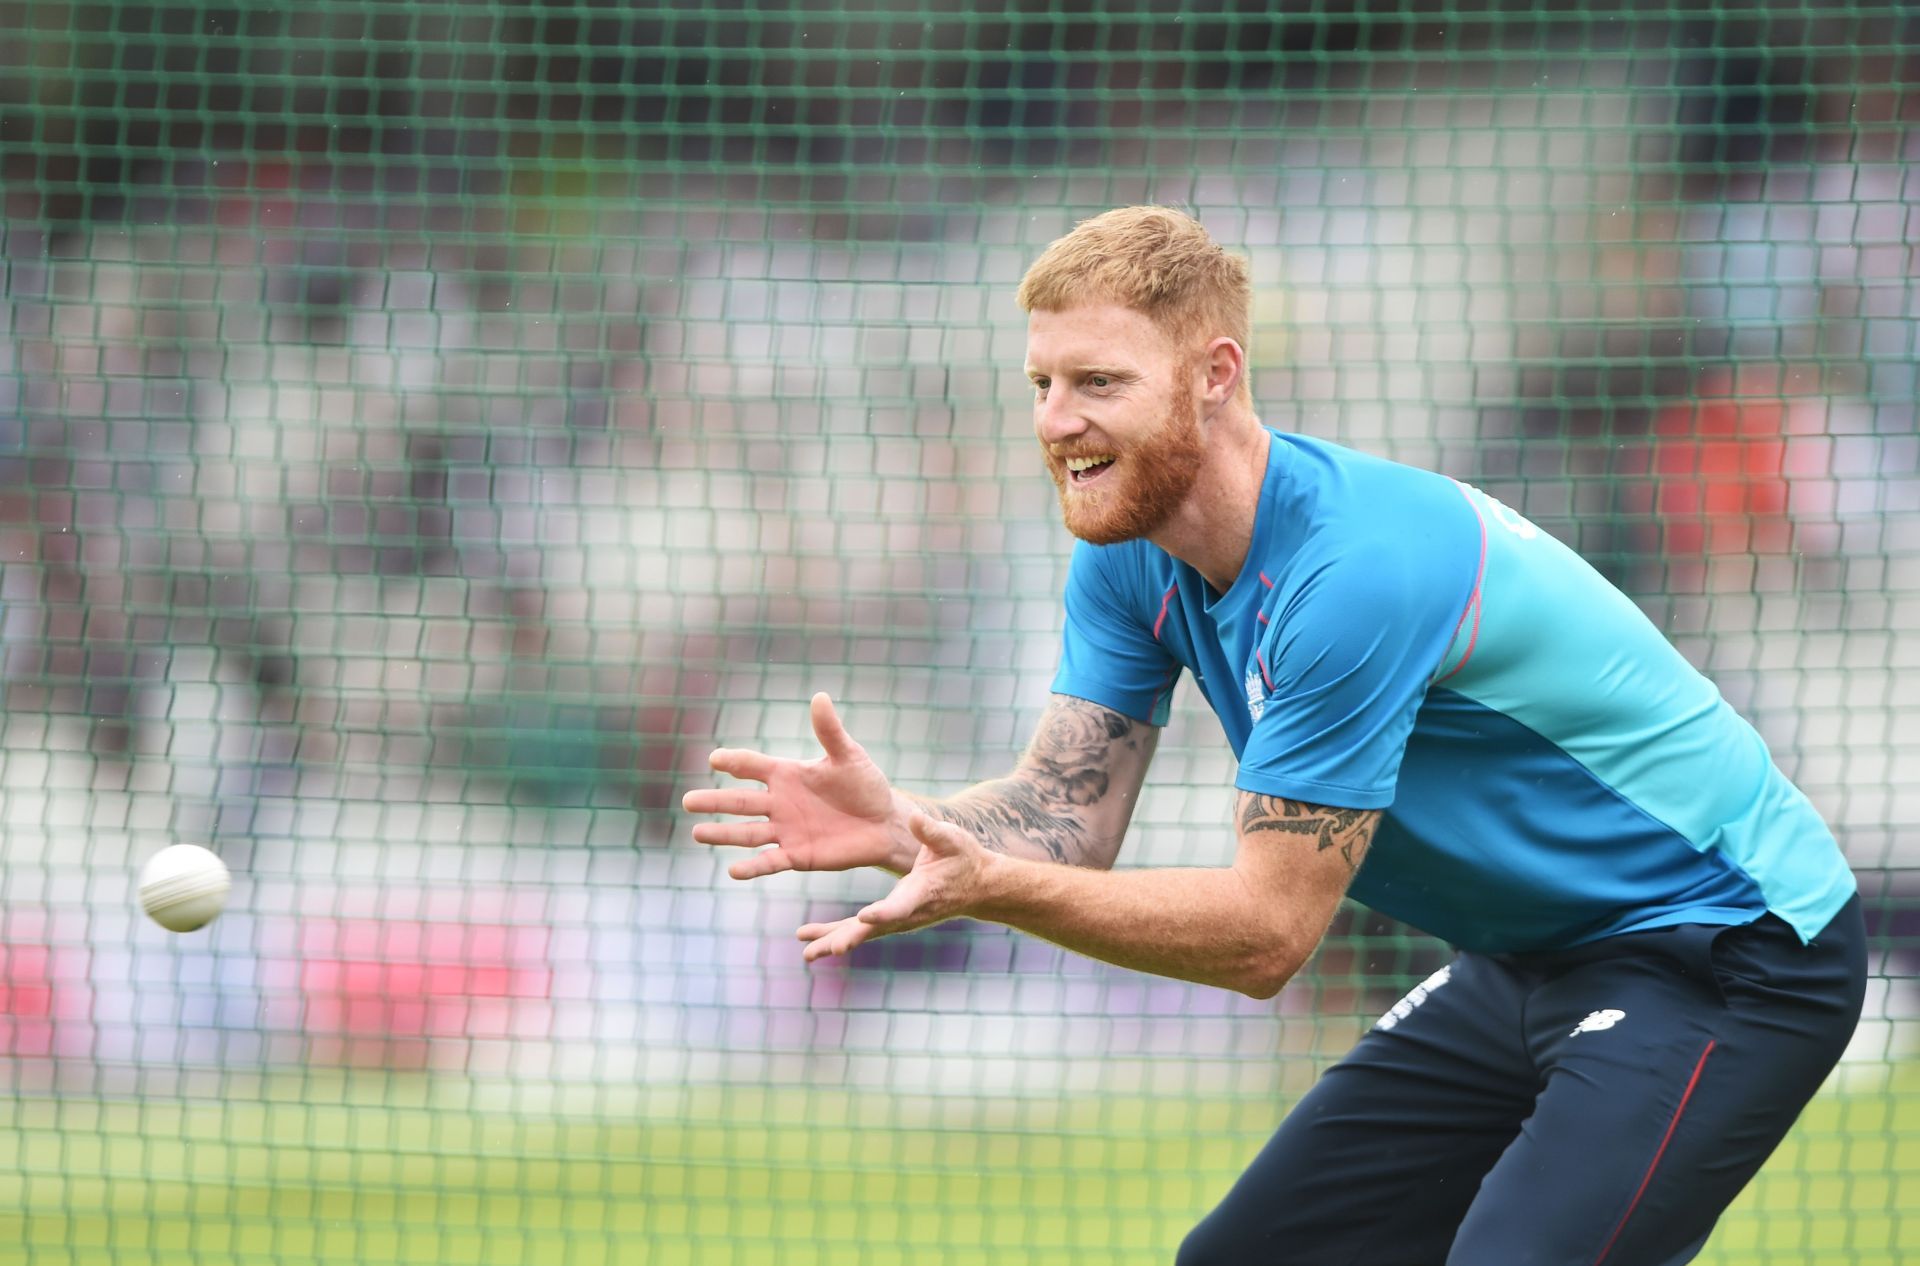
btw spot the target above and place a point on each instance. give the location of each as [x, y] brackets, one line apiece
[1552, 770]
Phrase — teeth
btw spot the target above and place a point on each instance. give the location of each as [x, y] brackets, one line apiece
[1078, 464]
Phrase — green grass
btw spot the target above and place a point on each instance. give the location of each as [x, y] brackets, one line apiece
[381, 1169]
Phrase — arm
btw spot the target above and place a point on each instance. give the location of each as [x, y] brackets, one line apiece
[1070, 798]
[1068, 801]
[1249, 927]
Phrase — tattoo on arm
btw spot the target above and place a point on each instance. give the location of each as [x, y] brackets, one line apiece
[1067, 770]
[1008, 811]
[1348, 830]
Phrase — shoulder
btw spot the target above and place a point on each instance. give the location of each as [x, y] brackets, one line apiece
[1379, 525]
[1343, 479]
[1129, 572]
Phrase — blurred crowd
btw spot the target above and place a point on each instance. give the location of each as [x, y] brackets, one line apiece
[425, 432]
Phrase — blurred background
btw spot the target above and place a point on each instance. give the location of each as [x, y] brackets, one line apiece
[427, 428]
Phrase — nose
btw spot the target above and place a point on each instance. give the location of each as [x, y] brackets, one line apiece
[1055, 420]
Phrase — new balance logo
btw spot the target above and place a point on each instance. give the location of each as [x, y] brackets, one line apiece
[1597, 1021]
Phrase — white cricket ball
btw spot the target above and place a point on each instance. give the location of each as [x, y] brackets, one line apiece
[184, 887]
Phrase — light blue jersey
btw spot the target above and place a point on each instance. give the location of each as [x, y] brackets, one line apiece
[1552, 770]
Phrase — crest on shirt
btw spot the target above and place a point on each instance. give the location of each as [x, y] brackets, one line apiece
[1256, 694]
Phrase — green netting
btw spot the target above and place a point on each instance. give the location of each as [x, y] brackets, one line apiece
[425, 429]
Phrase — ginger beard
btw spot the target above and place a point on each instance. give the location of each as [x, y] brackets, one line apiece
[1142, 487]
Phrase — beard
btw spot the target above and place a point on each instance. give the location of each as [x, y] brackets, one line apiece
[1148, 481]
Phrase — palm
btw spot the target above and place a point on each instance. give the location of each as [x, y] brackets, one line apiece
[834, 813]
[831, 814]
[944, 883]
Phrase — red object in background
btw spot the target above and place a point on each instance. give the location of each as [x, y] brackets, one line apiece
[410, 992]
[26, 999]
[1719, 476]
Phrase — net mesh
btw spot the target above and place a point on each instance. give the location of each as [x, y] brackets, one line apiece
[427, 428]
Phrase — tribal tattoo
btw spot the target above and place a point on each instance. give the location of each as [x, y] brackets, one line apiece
[1348, 830]
[1067, 771]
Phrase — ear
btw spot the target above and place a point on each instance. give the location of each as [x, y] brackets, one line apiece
[1223, 366]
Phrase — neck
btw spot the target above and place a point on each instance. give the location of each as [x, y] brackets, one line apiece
[1213, 528]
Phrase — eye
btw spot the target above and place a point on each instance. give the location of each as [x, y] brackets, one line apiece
[1100, 381]
[1040, 386]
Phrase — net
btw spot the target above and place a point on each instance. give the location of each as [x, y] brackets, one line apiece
[427, 428]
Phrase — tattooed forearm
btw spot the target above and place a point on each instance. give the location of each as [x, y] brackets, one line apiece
[1008, 812]
[1348, 830]
[1059, 803]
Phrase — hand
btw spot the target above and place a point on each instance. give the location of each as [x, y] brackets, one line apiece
[948, 880]
[835, 813]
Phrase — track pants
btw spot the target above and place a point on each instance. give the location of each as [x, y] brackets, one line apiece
[1599, 1106]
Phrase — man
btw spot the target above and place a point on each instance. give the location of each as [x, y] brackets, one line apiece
[1440, 711]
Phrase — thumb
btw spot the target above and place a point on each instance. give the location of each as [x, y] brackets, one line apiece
[941, 837]
[833, 736]
[897, 906]
[890, 909]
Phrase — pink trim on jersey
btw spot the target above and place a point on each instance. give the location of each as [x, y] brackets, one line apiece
[1260, 657]
[1265, 581]
[1473, 601]
[1162, 617]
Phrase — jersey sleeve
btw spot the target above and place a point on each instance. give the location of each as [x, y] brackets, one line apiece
[1347, 658]
[1108, 652]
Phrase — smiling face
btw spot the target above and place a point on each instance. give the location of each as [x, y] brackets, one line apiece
[1117, 417]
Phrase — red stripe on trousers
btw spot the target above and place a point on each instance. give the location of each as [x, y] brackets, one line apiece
[1647, 1181]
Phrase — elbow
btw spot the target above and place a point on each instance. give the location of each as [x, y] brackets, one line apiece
[1265, 975]
[1262, 986]
[1102, 852]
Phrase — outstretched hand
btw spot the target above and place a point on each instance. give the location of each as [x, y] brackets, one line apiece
[834, 813]
[946, 881]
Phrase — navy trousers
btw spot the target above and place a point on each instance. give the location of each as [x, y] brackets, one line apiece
[1599, 1106]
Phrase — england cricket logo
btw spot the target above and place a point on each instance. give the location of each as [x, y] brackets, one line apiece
[1421, 992]
[1256, 695]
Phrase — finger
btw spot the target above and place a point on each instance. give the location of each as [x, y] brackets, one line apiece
[833, 736]
[745, 802]
[771, 862]
[813, 932]
[735, 834]
[741, 763]
[837, 938]
[941, 835]
[886, 912]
